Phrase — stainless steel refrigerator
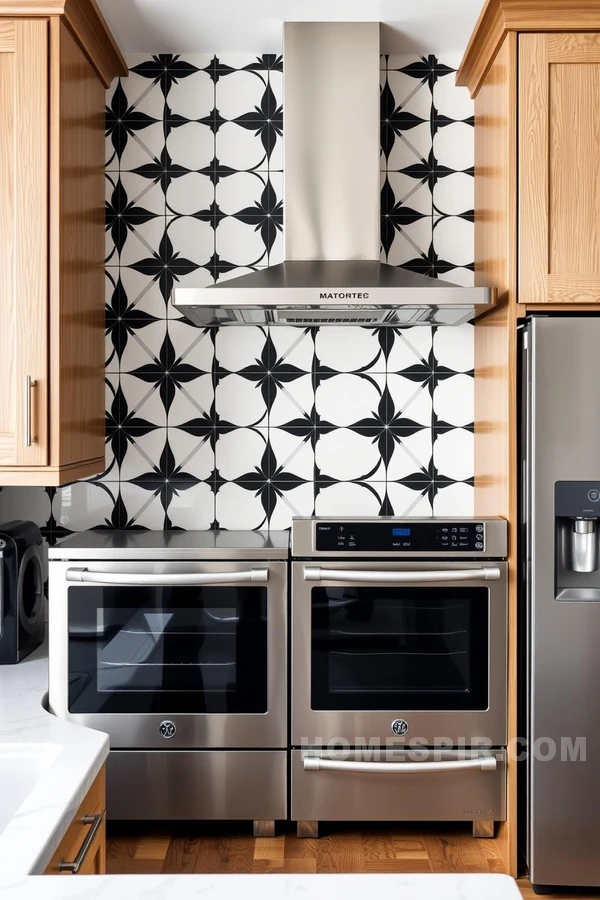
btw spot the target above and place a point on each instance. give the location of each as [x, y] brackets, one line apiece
[560, 598]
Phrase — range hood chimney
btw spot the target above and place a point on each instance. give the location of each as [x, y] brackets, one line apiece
[332, 273]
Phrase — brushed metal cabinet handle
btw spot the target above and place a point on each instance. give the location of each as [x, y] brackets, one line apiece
[30, 383]
[317, 764]
[379, 576]
[166, 579]
[74, 866]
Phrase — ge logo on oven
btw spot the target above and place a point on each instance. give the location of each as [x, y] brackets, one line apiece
[399, 727]
[167, 729]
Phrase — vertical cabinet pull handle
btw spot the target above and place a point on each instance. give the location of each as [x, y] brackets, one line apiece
[74, 866]
[30, 383]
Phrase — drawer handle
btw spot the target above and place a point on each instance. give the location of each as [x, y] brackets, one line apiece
[406, 576]
[316, 764]
[30, 383]
[95, 821]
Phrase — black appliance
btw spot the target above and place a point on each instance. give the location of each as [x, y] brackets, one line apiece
[22, 626]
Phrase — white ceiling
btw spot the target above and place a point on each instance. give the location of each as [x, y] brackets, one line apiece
[254, 26]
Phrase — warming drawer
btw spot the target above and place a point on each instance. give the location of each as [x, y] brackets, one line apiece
[336, 788]
[196, 784]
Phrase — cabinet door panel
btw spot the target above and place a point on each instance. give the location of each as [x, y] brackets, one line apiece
[559, 168]
[23, 241]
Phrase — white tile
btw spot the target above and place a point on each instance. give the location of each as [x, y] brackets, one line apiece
[241, 452]
[453, 454]
[350, 499]
[192, 401]
[454, 347]
[454, 194]
[193, 457]
[410, 94]
[193, 97]
[84, 505]
[295, 346]
[349, 348]
[239, 148]
[412, 243]
[192, 239]
[450, 100]
[297, 501]
[142, 292]
[410, 455]
[293, 455]
[143, 147]
[453, 400]
[460, 275]
[240, 244]
[193, 509]
[143, 454]
[143, 507]
[143, 400]
[240, 401]
[239, 93]
[410, 399]
[143, 346]
[193, 345]
[410, 148]
[241, 191]
[454, 146]
[191, 145]
[143, 241]
[192, 193]
[346, 455]
[454, 500]
[409, 349]
[237, 348]
[409, 501]
[142, 193]
[293, 400]
[239, 508]
[409, 193]
[453, 241]
[347, 399]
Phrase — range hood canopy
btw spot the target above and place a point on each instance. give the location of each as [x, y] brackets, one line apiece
[332, 273]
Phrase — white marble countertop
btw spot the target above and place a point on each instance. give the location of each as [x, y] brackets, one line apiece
[76, 755]
[264, 887]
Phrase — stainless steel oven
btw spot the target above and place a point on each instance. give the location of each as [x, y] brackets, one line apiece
[399, 641]
[175, 644]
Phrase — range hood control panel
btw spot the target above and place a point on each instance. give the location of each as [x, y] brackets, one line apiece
[361, 537]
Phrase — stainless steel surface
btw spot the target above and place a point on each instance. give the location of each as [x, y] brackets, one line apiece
[2, 545]
[332, 273]
[99, 576]
[303, 539]
[29, 385]
[338, 292]
[331, 80]
[311, 727]
[173, 545]
[452, 795]
[483, 763]
[201, 784]
[192, 730]
[561, 369]
[75, 865]
[412, 576]
[584, 546]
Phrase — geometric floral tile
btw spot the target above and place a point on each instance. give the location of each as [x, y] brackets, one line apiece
[248, 427]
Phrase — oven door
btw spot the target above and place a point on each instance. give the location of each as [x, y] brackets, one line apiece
[171, 654]
[393, 654]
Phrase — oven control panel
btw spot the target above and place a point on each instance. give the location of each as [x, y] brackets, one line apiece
[362, 537]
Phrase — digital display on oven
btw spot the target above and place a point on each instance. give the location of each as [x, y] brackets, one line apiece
[437, 536]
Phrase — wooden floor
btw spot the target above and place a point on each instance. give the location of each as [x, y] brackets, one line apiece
[230, 848]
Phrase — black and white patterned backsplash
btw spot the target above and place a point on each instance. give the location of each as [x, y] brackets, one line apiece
[247, 427]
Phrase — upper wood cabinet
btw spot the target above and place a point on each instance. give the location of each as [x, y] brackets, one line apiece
[549, 127]
[53, 74]
[559, 168]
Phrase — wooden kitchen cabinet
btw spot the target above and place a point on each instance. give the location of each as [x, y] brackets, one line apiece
[53, 73]
[89, 821]
[559, 168]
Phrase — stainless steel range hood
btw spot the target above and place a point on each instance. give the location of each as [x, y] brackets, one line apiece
[332, 273]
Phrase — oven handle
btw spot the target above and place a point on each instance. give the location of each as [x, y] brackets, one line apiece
[317, 764]
[165, 580]
[421, 576]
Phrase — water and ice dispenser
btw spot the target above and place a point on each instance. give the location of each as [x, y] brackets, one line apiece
[577, 528]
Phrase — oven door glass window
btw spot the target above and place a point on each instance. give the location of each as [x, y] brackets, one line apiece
[168, 649]
[391, 648]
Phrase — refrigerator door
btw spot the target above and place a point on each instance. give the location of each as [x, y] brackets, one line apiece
[561, 442]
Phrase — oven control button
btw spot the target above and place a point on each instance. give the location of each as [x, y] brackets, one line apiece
[479, 528]
[479, 545]
[167, 728]
[399, 727]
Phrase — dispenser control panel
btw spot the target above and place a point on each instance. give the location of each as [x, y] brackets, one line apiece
[577, 499]
[362, 537]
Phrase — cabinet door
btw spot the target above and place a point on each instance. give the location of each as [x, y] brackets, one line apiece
[559, 168]
[23, 241]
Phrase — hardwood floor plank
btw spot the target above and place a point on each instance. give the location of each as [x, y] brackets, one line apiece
[453, 850]
[269, 848]
[154, 846]
[300, 848]
[241, 855]
[341, 853]
[297, 865]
